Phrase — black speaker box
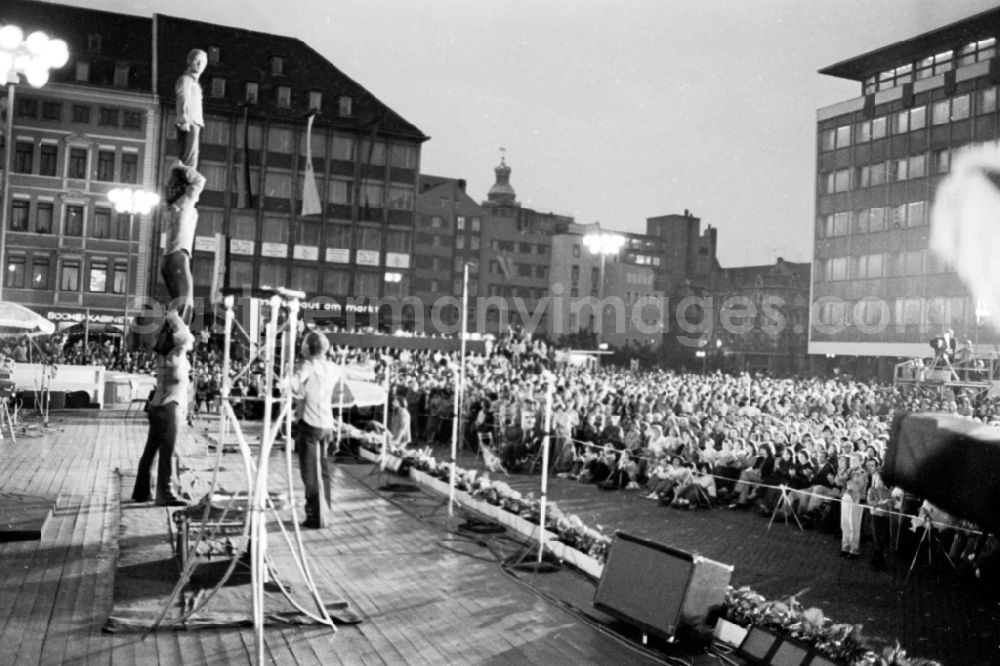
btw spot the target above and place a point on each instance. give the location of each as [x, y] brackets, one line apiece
[659, 588]
[952, 462]
[763, 648]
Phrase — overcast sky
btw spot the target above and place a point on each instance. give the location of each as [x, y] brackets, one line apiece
[609, 111]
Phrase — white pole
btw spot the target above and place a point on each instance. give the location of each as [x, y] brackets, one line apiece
[460, 385]
[343, 389]
[258, 525]
[549, 390]
[385, 417]
[5, 200]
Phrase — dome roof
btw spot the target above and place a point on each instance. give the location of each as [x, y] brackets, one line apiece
[502, 192]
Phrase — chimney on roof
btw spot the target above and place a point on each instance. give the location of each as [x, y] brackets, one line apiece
[461, 184]
[687, 213]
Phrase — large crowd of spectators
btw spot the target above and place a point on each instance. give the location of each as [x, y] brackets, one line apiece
[807, 449]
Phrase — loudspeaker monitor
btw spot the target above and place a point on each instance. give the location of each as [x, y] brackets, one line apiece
[949, 460]
[659, 588]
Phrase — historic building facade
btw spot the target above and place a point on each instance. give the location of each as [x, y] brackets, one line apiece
[448, 237]
[514, 260]
[107, 119]
[67, 254]
[258, 90]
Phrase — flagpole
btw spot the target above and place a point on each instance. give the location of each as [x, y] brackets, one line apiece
[460, 384]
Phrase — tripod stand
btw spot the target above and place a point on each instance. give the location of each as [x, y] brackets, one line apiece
[5, 418]
[926, 537]
[784, 505]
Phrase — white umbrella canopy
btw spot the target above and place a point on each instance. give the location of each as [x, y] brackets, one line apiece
[18, 320]
[356, 393]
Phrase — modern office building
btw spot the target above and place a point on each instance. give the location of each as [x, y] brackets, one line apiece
[878, 292]
[66, 253]
[613, 298]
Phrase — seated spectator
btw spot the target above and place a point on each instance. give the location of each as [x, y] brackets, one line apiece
[673, 475]
[511, 445]
[827, 483]
[750, 478]
[700, 491]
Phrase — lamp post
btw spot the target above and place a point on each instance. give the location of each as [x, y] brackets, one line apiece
[603, 244]
[131, 202]
[32, 57]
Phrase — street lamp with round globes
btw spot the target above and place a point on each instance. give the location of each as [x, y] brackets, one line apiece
[604, 244]
[31, 57]
[132, 202]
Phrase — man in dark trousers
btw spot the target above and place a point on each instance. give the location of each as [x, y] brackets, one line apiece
[313, 385]
[167, 413]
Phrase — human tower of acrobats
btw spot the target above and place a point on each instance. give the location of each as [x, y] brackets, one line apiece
[168, 405]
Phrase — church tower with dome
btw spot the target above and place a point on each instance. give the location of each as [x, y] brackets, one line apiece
[502, 195]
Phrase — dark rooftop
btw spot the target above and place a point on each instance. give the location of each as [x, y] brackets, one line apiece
[246, 55]
[120, 38]
[954, 35]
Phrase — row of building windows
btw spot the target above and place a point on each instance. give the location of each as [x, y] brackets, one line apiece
[218, 88]
[120, 78]
[81, 114]
[941, 113]
[931, 65]
[473, 223]
[278, 183]
[463, 241]
[880, 265]
[935, 163]
[519, 270]
[512, 291]
[104, 222]
[95, 276]
[332, 282]
[935, 314]
[339, 235]
[871, 220]
[336, 145]
[642, 259]
[43, 160]
[522, 248]
[444, 264]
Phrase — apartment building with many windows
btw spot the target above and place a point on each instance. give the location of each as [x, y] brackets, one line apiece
[67, 253]
[258, 90]
[878, 292]
[514, 260]
[448, 237]
[107, 119]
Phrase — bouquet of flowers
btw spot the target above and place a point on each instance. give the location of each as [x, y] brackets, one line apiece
[843, 643]
[423, 459]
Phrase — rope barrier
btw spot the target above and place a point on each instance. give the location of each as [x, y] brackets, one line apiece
[786, 488]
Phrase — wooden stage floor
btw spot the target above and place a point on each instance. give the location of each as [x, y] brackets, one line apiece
[426, 595]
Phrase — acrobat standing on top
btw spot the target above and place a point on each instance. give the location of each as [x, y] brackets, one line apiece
[190, 120]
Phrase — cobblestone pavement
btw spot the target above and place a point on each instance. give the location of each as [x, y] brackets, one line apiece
[938, 612]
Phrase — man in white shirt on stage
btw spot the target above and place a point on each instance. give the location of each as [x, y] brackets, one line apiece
[313, 385]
